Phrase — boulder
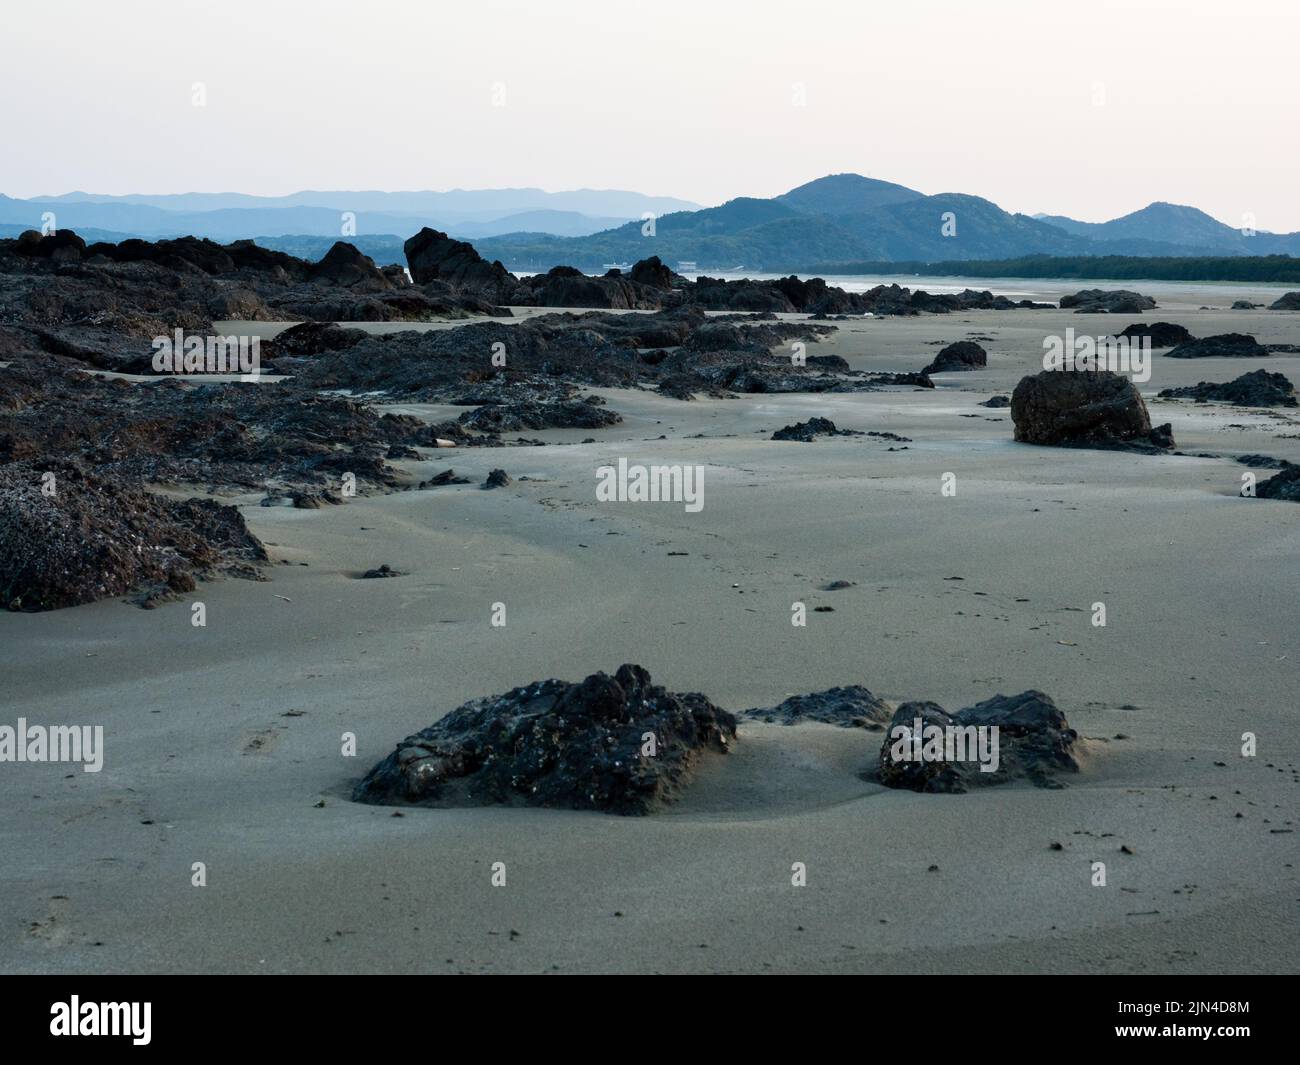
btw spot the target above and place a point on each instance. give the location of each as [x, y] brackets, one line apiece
[920, 752]
[617, 744]
[963, 355]
[1289, 302]
[1162, 334]
[1083, 409]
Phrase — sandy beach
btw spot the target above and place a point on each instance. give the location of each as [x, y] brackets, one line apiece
[223, 743]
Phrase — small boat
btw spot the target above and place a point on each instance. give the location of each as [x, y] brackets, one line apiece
[687, 266]
[616, 266]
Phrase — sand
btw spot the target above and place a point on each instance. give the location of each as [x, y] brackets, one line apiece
[203, 765]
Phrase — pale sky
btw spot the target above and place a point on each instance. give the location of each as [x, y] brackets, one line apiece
[1087, 109]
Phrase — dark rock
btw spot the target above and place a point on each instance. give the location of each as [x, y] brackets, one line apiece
[1284, 485]
[446, 477]
[963, 355]
[1289, 302]
[63, 245]
[1267, 462]
[1162, 334]
[434, 256]
[1222, 346]
[95, 537]
[221, 436]
[1107, 301]
[807, 432]
[997, 402]
[652, 273]
[498, 479]
[552, 743]
[382, 572]
[346, 266]
[849, 707]
[588, 413]
[311, 338]
[563, 286]
[1035, 742]
[1256, 389]
[1245, 305]
[1084, 409]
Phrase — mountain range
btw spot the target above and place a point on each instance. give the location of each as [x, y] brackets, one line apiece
[464, 213]
[844, 218]
[840, 219]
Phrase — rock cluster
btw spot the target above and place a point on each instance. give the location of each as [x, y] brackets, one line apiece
[1259, 388]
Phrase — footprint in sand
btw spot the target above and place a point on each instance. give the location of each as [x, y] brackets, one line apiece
[261, 741]
[53, 929]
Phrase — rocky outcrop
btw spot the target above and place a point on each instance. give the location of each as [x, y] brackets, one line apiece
[1221, 346]
[222, 436]
[852, 706]
[1162, 334]
[997, 402]
[1289, 302]
[587, 413]
[564, 286]
[345, 266]
[1084, 409]
[963, 355]
[69, 536]
[1107, 301]
[922, 752]
[434, 256]
[1256, 389]
[653, 274]
[618, 744]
